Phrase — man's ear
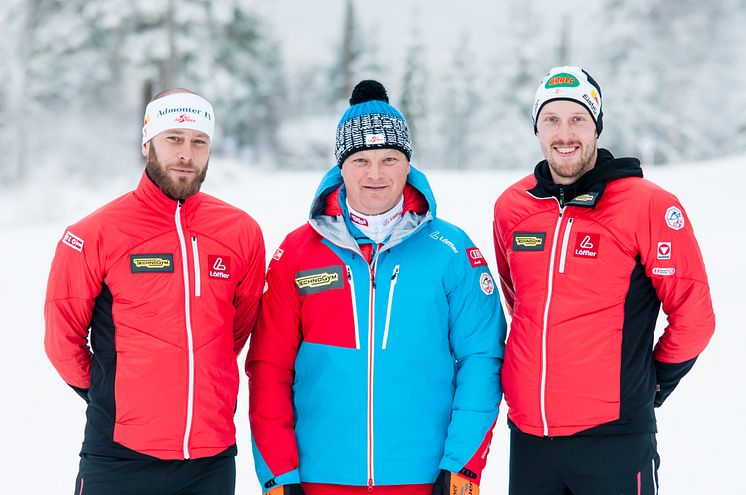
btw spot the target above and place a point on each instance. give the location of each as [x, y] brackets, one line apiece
[145, 149]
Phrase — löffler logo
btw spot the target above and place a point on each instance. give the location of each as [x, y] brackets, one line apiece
[586, 245]
[220, 267]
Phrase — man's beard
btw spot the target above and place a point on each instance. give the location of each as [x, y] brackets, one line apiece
[573, 170]
[178, 189]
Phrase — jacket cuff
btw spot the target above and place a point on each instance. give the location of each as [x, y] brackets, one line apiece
[668, 376]
[283, 479]
[83, 392]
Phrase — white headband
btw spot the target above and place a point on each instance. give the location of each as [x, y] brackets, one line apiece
[177, 111]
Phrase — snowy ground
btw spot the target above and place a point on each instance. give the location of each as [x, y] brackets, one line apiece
[701, 438]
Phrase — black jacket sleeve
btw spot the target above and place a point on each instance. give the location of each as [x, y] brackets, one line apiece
[668, 376]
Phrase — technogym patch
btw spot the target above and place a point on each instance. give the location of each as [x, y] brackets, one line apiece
[319, 280]
[529, 241]
[151, 263]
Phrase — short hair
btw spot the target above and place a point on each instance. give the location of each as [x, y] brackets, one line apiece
[172, 91]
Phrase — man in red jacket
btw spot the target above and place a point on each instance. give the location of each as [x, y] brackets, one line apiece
[165, 281]
[587, 252]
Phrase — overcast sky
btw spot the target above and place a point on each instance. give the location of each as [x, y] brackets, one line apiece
[308, 30]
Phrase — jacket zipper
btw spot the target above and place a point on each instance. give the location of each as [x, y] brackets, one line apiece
[394, 277]
[190, 338]
[371, 369]
[197, 279]
[351, 281]
[565, 241]
[550, 283]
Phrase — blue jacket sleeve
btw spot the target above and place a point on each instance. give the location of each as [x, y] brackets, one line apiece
[477, 340]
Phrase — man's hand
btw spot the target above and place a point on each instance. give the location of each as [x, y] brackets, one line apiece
[292, 489]
[451, 483]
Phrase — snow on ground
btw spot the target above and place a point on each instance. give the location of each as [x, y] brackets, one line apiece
[701, 437]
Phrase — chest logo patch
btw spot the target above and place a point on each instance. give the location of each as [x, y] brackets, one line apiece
[220, 266]
[151, 263]
[586, 245]
[319, 280]
[529, 241]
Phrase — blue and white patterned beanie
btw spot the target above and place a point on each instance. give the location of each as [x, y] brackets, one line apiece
[371, 123]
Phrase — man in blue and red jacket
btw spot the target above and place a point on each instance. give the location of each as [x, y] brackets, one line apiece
[587, 252]
[164, 283]
[375, 364]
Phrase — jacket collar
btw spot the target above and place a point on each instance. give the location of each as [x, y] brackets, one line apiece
[589, 188]
[151, 195]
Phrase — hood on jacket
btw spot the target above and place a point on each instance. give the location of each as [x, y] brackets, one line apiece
[332, 181]
[589, 188]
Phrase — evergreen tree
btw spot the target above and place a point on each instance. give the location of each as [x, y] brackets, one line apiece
[518, 66]
[414, 95]
[460, 107]
[344, 72]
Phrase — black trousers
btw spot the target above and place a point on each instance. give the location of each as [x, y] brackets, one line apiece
[583, 464]
[101, 475]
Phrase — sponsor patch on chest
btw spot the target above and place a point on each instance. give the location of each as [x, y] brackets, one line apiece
[319, 280]
[529, 241]
[586, 245]
[151, 263]
[220, 266]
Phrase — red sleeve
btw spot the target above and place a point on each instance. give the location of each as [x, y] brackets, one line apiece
[74, 283]
[249, 289]
[673, 261]
[271, 368]
[503, 268]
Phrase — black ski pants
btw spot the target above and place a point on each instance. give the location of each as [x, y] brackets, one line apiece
[102, 475]
[583, 464]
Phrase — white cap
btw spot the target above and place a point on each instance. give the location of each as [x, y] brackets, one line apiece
[570, 83]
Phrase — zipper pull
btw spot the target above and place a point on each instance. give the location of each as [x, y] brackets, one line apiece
[372, 280]
[396, 272]
[370, 484]
[562, 196]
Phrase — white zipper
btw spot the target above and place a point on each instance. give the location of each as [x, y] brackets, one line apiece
[351, 281]
[394, 277]
[565, 241]
[190, 341]
[544, 327]
[371, 368]
[197, 280]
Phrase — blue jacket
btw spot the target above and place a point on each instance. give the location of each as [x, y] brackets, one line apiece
[380, 371]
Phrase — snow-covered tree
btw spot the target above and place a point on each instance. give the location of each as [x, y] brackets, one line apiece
[344, 72]
[414, 96]
[459, 136]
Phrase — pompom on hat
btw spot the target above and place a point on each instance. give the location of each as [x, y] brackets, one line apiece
[573, 84]
[371, 123]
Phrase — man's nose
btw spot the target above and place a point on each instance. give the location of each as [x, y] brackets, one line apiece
[185, 152]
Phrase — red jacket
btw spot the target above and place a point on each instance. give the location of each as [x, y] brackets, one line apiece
[169, 292]
[584, 269]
